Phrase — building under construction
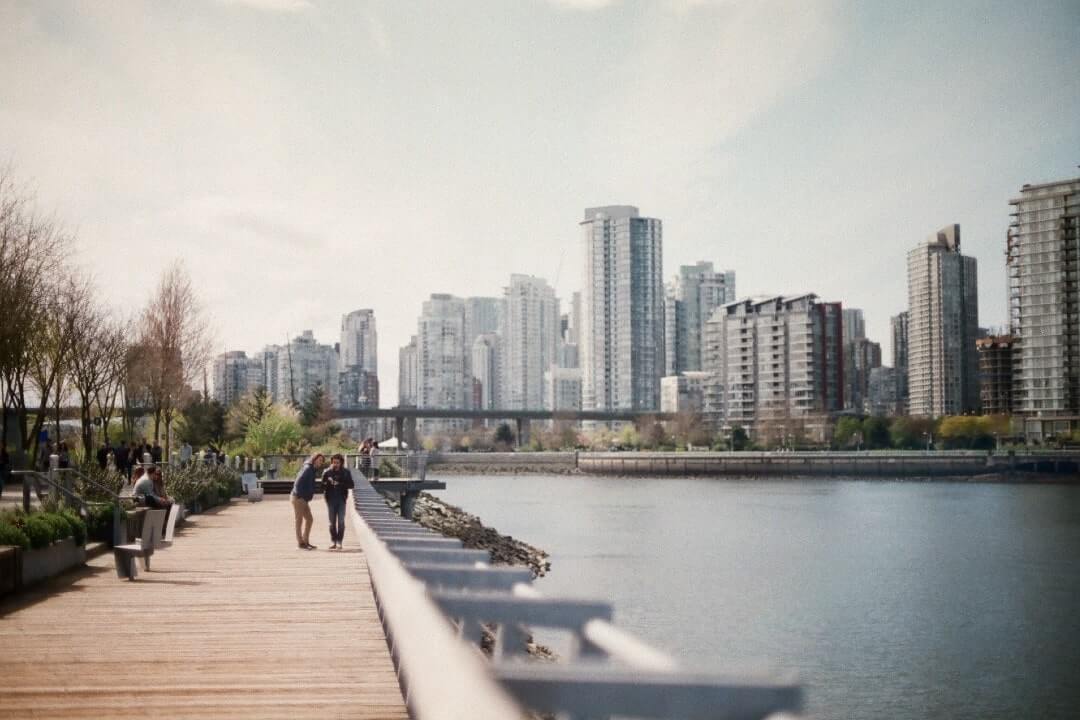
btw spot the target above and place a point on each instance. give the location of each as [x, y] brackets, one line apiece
[996, 373]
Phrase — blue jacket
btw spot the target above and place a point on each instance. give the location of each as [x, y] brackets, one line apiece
[304, 485]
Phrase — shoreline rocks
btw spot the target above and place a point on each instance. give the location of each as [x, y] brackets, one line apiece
[452, 521]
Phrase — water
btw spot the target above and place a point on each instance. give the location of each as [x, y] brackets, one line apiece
[887, 599]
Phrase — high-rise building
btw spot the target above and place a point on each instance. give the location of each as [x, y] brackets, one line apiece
[358, 381]
[861, 356]
[943, 323]
[996, 373]
[881, 392]
[235, 375]
[778, 364]
[487, 370]
[1043, 262]
[302, 364]
[684, 393]
[854, 384]
[408, 374]
[562, 388]
[442, 373]
[530, 340]
[692, 297]
[899, 326]
[622, 334]
[854, 325]
[268, 358]
[359, 341]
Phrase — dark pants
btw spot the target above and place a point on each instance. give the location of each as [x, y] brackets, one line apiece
[336, 509]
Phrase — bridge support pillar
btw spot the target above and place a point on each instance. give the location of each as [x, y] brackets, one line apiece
[409, 434]
[522, 431]
[399, 428]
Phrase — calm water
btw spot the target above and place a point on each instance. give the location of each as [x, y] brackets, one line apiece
[888, 599]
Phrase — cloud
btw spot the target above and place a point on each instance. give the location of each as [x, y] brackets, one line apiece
[585, 5]
[274, 6]
[705, 71]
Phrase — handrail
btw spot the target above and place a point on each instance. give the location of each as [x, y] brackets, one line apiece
[85, 478]
[423, 645]
[27, 474]
[611, 672]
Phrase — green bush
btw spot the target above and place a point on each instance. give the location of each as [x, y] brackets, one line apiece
[78, 525]
[61, 528]
[11, 535]
[99, 522]
[39, 530]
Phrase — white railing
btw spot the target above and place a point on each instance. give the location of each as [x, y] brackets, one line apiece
[438, 600]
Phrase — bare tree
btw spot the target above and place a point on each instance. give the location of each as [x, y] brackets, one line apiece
[32, 249]
[175, 346]
[96, 358]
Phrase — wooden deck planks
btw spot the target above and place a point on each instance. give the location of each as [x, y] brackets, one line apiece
[233, 621]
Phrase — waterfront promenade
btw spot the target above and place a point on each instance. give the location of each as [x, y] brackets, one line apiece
[232, 621]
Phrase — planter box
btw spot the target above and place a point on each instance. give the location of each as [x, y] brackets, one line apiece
[40, 564]
[10, 569]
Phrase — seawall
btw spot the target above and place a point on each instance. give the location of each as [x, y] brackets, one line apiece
[975, 465]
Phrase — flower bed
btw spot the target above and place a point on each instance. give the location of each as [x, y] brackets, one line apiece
[46, 544]
[200, 487]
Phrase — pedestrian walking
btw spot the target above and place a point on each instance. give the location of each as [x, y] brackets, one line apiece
[337, 482]
[302, 492]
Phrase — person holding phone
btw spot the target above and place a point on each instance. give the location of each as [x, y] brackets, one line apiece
[337, 482]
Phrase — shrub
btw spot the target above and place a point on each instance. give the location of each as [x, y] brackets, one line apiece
[38, 530]
[11, 535]
[78, 525]
[61, 528]
[99, 522]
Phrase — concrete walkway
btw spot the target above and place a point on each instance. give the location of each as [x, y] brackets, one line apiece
[232, 621]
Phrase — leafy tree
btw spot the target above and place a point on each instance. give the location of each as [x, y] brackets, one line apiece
[201, 422]
[968, 431]
[249, 409]
[629, 437]
[875, 432]
[504, 435]
[911, 433]
[848, 431]
[740, 440]
[316, 408]
[277, 432]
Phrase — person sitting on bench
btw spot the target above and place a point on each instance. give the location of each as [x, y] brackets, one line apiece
[151, 488]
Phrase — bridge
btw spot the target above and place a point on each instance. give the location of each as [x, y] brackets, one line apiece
[405, 417]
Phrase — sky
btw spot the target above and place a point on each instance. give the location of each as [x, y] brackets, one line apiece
[307, 158]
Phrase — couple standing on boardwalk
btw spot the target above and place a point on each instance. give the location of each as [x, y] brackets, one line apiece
[337, 481]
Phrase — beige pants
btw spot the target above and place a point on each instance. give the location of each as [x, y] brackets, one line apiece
[303, 518]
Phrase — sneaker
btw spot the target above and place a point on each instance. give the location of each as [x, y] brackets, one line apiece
[309, 546]
[302, 546]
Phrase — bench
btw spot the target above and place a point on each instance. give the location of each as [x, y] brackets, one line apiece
[170, 527]
[124, 555]
[252, 487]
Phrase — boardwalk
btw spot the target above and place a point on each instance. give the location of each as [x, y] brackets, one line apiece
[234, 621]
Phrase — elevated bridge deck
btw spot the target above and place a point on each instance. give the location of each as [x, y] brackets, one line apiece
[233, 621]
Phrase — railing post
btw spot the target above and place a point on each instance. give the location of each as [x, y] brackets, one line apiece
[54, 478]
[26, 493]
[119, 524]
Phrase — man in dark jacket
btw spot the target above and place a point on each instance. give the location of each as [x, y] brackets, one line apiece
[302, 492]
[337, 482]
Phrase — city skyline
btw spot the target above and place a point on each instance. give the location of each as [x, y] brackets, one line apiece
[805, 149]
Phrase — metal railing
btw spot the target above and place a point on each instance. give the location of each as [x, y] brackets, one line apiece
[436, 601]
[119, 524]
[411, 465]
[54, 478]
